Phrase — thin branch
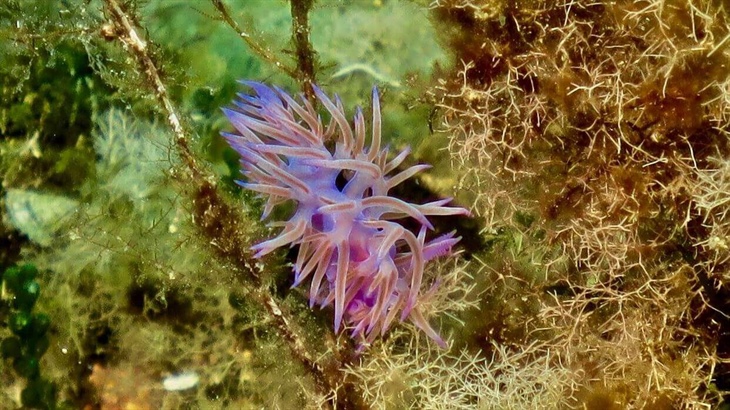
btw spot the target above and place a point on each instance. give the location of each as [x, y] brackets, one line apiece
[125, 29]
[263, 52]
[303, 47]
[304, 52]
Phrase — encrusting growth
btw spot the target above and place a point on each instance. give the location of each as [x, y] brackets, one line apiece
[358, 258]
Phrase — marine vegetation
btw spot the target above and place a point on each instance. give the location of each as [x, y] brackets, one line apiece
[30, 339]
[181, 248]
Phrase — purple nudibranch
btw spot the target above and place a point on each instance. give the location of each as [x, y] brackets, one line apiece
[358, 257]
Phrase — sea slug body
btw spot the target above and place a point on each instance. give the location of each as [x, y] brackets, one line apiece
[351, 247]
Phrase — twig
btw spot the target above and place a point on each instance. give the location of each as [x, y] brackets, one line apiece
[212, 214]
[128, 35]
[304, 50]
[256, 47]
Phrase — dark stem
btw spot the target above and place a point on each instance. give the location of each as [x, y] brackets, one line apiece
[303, 47]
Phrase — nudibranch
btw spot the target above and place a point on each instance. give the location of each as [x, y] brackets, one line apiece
[352, 249]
